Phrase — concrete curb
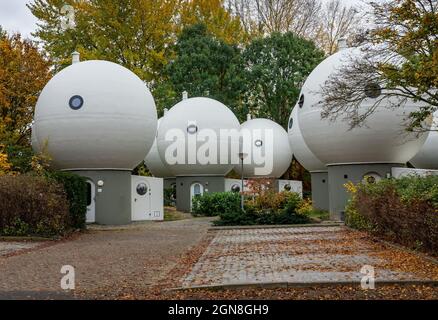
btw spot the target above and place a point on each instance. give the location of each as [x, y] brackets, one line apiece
[279, 226]
[286, 285]
[27, 239]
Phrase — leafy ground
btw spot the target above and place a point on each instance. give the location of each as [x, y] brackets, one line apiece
[171, 214]
[148, 260]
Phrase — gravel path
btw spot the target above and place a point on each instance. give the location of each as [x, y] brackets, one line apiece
[135, 257]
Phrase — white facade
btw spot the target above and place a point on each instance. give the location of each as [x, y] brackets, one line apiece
[407, 172]
[275, 150]
[192, 119]
[382, 138]
[147, 199]
[427, 157]
[300, 150]
[95, 115]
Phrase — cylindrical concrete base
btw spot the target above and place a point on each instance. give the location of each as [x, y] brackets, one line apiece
[320, 193]
[184, 185]
[339, 175]
[113, 199]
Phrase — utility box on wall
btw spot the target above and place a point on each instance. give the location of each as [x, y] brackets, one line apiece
[147, 198]
[290, 185]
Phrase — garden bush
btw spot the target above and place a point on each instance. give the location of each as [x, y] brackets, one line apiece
[76, 191]
[32, 206]
[213, 204]
[401, 210]
[169, 196]
[269, 209]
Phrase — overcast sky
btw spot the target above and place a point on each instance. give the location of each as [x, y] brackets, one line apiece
[15, 16]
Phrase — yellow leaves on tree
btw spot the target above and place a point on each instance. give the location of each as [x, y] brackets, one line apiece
[138, 34]
[218, 20]
[134, 33]
[5, 166]
[23, 74]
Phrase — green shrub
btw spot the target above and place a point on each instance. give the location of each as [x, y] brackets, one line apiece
[169, 197]
[32, 205]
[76, 190]
[401, 210]
[213, 204]
[285, 210]
[20, 157]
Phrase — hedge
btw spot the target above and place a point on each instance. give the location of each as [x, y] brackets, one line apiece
[285, 208]
[76, 190]
[403, 210]
[32, 205]
[213, 204]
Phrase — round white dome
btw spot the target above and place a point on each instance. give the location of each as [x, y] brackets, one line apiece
[382, 138]
[154, 162]
[427, 157]
[277, 150]
[300, 150]
[191, 119]
[96, 115]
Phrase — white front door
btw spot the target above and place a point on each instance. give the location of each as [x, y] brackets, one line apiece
[195, 190]
[91, 202]
[141, 199]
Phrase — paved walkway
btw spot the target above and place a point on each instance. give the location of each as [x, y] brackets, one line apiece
[117, 259]
[301, 255]
[12, 247]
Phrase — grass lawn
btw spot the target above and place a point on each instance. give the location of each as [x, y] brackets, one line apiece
[319, 215]
[171, 214]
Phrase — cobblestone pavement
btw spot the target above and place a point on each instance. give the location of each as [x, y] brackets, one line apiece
[106, 262]
[300, 255]
[7, 247]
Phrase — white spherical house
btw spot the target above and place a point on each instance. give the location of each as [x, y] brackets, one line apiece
[154, 163]
[382, 139]
[267, 149]
[366, 152]
[317, 169]
[99, 120]
[95, 115]
[196, 139]
[427, 157]
[300, 150]
[191, 135]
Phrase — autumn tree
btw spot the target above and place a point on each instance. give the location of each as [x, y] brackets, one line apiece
[204, 66]
[336, 21]
[297, 16]
[24, 71]
[215, 16]
[400, 56]
[134, 33]
[275, 69]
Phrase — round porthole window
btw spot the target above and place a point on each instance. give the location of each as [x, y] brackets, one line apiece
[373, 90]
[235, 188]
[142, 189]
[291, 123]
[76, 102]
[258, 143]
[287, 187]
[192, 129]
[371, 179]
[301, 101]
